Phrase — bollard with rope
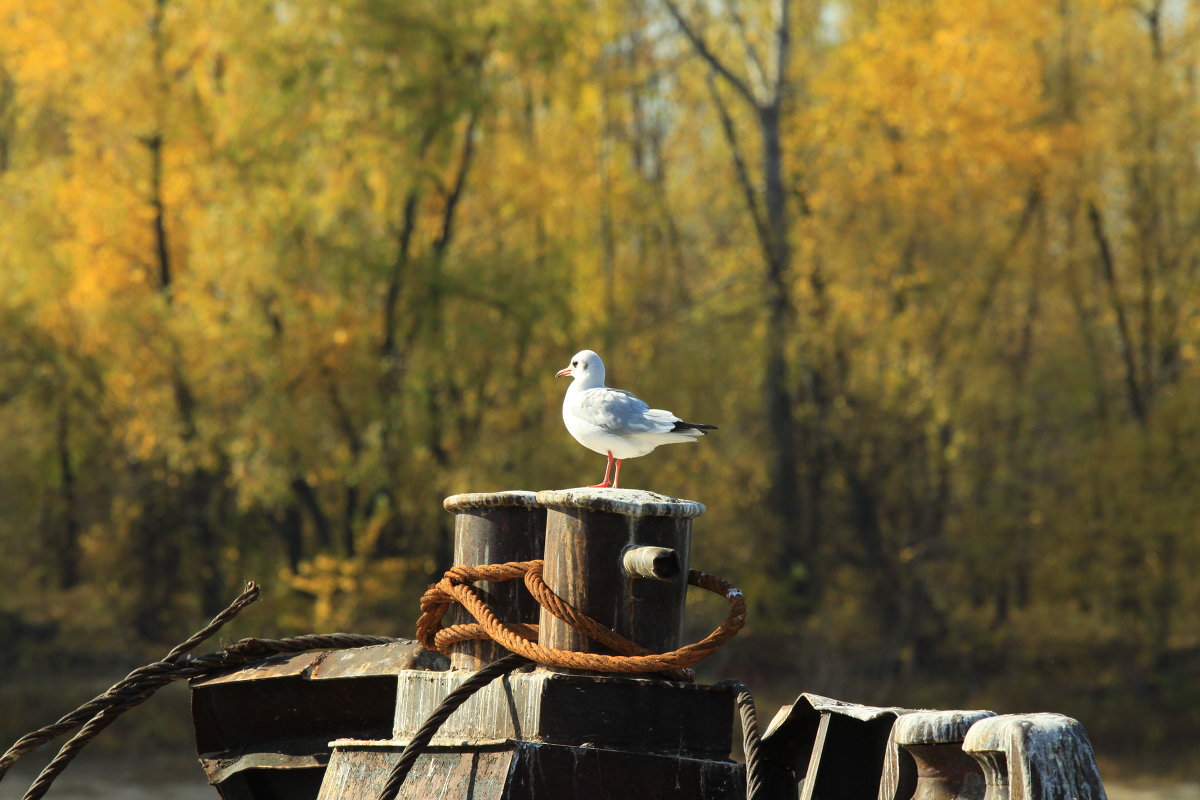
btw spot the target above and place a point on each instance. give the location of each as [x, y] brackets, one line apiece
[137, 687]
[598, 684]
[638, 549]
[522, 642]
[565, 678]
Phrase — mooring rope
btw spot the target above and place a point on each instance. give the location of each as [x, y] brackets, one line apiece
[119, 694]
[521, 641]
[139, 685]
[420, 740]
[751, 739]
[632, 658]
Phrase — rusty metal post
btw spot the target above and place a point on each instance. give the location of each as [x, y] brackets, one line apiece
[493, 528]
[940, 770]
[588, 535]
[1035, 757]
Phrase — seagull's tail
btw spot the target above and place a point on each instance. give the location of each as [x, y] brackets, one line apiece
[692, 428]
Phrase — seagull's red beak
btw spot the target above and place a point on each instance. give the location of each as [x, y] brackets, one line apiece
[562, 373]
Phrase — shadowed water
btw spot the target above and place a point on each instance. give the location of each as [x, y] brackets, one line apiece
[119, 778]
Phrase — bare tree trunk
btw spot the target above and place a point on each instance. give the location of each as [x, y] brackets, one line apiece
[784, 494]
[1134, 389]
[291, 533]
[199, 501]
[308, 498]
[765, 90]
[8, 115]
[68, 549]
[154, 143]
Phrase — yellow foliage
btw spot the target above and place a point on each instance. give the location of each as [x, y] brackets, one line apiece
[342, 589]
[276, 278]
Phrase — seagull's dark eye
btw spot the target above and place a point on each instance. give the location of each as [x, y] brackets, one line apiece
[574, 363]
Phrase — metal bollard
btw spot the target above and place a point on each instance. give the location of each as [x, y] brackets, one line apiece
[591, 536]
[1035, 757]
[494, 528]
[925, 759]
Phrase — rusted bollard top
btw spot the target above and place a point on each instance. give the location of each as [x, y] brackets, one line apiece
[469, 501]
[627, 502]
[1038, 756]
[936, 727]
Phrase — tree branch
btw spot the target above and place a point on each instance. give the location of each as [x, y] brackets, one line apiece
[739, 165]
[1137, 400]
[703, 50]
[783, 47]
[754, 64]
[464, 166]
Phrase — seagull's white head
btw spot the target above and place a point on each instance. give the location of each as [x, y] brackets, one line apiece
[586, 368]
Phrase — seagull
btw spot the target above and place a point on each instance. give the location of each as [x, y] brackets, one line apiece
[613, 421]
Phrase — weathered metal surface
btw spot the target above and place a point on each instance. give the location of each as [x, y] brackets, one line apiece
[1035, 757]
[359, 771]
[384, 659]
[264, 730]
[220, 770]
[520, 770]
[495, 528]
[925, 759]
[587, 534]
[628, 502]
[825, 748]
[388, 659]
[474, 501]
[648, 716]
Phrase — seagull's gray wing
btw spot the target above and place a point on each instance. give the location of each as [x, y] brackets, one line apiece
[619, 412]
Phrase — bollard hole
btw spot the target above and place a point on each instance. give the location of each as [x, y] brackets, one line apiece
[657, 563]
[666, 565]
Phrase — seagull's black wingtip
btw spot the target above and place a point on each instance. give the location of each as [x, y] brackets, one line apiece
[684, 426]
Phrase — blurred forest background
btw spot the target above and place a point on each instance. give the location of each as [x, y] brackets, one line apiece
[278, 276]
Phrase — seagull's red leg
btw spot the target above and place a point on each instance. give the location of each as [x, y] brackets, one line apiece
[617, 477]
[607, 470]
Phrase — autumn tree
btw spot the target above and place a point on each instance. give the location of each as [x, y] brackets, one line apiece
[277, 278]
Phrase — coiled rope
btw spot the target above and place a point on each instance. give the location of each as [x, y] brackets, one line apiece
[138, 686]
[521, 639]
